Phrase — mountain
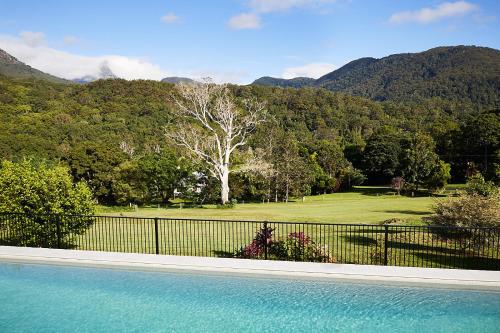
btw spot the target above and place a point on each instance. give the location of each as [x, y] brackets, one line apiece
[104, 73]
[462, 73]
[10, 66]
[297, 82]
[177, 80]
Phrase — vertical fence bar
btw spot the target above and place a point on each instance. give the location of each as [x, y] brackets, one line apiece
[265, 240]
[386, 240]
[157, 243]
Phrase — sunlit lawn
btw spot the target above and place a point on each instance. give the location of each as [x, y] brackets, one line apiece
[407, 246]
[365, 205]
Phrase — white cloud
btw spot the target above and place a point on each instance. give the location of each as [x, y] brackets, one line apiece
[33, 38]
[428, 15]
[251, 20]
[313, 70]
[70, 40]
[31, 49]
[245, 21]
[71, 66]
[268, 6]
[170, 18]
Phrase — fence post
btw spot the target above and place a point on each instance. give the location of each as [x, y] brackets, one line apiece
[386, 237]
[157, 244]
[265, 240]
[58, 230]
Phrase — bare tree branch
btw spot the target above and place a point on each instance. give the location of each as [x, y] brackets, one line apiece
[213, 125]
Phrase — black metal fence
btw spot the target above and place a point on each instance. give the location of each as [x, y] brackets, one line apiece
[396, 245]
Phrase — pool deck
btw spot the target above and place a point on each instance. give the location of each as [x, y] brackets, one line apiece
[470, 279]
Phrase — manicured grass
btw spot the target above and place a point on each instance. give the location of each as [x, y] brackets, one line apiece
[365, 205]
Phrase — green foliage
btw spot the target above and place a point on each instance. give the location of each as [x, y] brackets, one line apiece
[462, 73]
[150, 179]
[382, 154]
[439, 176]
[40, 191]
[476, 185]
[478, 144]
[109, 133]
[418, 160]
[297, 246]
[350, 177]
[469, 210]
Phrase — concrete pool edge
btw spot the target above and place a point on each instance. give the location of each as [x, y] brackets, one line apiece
[471, 279]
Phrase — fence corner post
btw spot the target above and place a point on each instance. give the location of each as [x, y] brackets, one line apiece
[265, 240]
[157, 244]
[386, 238]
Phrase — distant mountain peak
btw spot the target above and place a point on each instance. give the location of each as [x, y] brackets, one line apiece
[104, 73]
[297, 82]
[12, 67]
[177, 80]
[7, 58]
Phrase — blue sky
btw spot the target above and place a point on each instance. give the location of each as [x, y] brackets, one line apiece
[234, 40]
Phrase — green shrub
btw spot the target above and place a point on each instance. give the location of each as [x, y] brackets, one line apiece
[296, 247]
[39, 193]
[477, 185]
[439, 176]
[467, 211]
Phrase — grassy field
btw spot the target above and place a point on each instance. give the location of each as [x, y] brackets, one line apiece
[406, 245]
[365, 205]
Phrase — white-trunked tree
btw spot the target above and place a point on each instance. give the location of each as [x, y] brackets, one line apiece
[213, 124]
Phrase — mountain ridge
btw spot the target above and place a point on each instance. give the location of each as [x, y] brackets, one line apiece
[12, 67]
[466, 73]
[178, 80]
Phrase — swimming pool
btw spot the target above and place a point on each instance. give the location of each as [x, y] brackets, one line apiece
[46, 298]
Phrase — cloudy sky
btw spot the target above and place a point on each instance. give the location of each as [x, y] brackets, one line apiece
[233, 40]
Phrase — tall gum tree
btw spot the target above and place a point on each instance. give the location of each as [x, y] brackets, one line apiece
[212, 124]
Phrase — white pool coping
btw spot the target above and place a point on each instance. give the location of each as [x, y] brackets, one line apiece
[470, 279]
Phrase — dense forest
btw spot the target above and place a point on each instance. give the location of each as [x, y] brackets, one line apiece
[112, 133]
[461, 73]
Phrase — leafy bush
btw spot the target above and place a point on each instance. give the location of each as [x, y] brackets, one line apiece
[296, 246]
[470, 210]
[230, 204]
[257, 247]
[477, 185]
[467, 211]
[439, 176]
[350, 177]
[40, 193]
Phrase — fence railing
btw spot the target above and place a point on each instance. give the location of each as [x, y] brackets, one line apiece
[396, 245]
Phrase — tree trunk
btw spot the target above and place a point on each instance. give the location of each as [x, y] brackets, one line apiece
[286, 191]
[224, 182]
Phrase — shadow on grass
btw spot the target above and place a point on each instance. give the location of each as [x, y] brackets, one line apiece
[405, 211]
[224, 254]
[381, 190]
[360, 240]
[467, 262]
[422, 247]
[373, 191]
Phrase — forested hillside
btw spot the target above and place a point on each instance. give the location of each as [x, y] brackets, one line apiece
[112, 134]
[462, 73]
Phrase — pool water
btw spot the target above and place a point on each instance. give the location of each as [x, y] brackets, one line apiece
[44, 298]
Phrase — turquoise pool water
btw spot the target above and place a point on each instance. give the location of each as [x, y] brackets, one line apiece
[39, 298]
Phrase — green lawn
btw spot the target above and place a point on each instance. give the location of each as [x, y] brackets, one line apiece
[365, 205]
